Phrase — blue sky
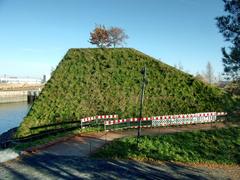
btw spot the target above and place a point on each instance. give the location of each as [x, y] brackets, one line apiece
[35, 35]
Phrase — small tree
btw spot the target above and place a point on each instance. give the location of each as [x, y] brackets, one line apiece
[117, 36]
[209, 75]
[179, 66]
[100, 37]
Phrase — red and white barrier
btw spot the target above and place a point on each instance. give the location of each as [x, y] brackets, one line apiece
[107, 117]
[115, 122]
[186, 119]
[89, 119]
[180, 119]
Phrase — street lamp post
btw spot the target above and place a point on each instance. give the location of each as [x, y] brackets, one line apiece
[144, 81]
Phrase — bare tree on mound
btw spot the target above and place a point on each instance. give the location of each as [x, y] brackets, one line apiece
[117, 36]
[100, 36]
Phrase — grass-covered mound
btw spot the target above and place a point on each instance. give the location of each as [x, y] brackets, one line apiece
[90, 82]
[218, 146]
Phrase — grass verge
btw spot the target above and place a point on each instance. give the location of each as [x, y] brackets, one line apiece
[214, 146]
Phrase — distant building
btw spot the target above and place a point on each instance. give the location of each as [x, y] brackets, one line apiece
[44, 79]
[16, 80]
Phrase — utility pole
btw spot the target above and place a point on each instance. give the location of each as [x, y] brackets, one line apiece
[144, 82]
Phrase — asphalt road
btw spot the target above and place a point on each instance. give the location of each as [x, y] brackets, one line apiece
[48, 166]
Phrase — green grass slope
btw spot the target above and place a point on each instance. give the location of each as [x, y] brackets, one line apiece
[90, 82]
[216, 146]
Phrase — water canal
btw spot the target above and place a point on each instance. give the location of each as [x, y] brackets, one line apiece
[11, 115]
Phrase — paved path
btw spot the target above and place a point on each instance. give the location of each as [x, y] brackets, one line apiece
[70, 160]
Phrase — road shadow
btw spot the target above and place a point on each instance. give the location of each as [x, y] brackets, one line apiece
[71, 167]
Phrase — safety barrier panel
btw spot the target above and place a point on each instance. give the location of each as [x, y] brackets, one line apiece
[107, 117]
[109, 122]
[185, 119]
[99, 117]
[168, 120]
